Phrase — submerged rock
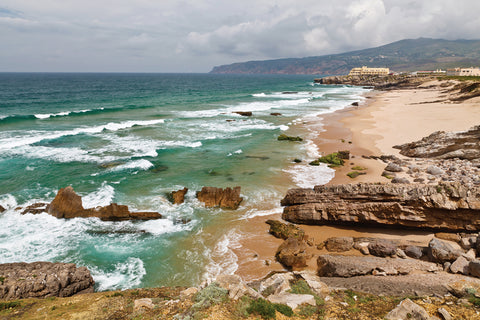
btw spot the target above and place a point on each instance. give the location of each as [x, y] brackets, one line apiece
[227, 198]
[244, 113]
[67, 204]
[449, 206]
[43, 279]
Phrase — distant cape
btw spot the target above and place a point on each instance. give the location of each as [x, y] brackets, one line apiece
[404, 55]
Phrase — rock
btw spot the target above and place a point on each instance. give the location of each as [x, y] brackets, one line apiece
[389, 174]
[445, 145]
[67, 204]
[470, 255]
[393, 167]
[435, 171]
[382, 248]
[474, 268]
[244, 113]
[292, 253]
[468, 242]
[178, 197]
[284, 231]
[463, 288]
[400, 180]
[275, 114]
[400, 253]
[291, 299]
[444, 314]
[460, 266]
[339, 244]
[315, 283]
[277, 283]
[2, 209]
[454, 237]
[284, 137]
[407, 309]
[446, 266]
[345, 154]
[351, 266]
[414, 252]
[43, 279]
[449, 206]
[442, 251]
[236, 287]
[143, 303]
[227, 198]
[36, 208]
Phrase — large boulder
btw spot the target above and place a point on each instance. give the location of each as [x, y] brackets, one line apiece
[339, 244]
[407, 309]
[442, 251]
[445, 145]
[227, 198]
[382, 248]
[351, 266]
[292, 253]
[67, 204]
[43, 279]
[236, 287]
[450, 206]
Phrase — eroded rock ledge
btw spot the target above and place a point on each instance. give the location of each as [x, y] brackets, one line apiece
[43, 279]
[448, 206]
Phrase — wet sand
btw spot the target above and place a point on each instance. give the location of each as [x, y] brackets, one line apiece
[385, 119]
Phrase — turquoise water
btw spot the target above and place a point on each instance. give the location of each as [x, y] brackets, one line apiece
[131, 139]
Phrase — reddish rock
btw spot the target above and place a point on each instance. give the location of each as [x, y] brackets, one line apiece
[36, 208]
[67, 204]
[292, 253]
[2, 209]
[178, 197]
[244, 113]
[227, 198]
[43, 279]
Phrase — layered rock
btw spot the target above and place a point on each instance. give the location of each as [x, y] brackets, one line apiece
[67, 204]
[448, 206]
[292, 253]
[445, 145]
[43, 279]
[178, 197]
[227, 198]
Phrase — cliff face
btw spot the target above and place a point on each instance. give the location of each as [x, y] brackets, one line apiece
[449, 206]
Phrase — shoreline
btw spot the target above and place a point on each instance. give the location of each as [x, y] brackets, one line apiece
[384, 119]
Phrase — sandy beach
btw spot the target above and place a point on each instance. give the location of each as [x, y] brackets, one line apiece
[384, 119]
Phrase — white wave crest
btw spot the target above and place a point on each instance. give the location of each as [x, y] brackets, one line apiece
[223, 260]
[8, 201]
[101, 197]
[125, 275]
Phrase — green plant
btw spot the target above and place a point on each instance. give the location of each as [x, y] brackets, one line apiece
[474, 300]
[263, 308]
[116, 294]
[284, 137]
[306, 311]
[438, 188]
[333, 160]
[2, 279]
[9, 305]
[283, 309]
[353, 174]
[300, 287]
[350, 297]
[211, 295]
[359, 168]
[242, 306]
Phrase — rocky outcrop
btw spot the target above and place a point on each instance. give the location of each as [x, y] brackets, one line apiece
[178, 197]
[2, 209]
[284, 231]
[227, 198]
[67, 204]
[378, 82]
[43, 279]
[407, 309]
[351, 266]
[244, 113]
[445, 145]
[448, 206]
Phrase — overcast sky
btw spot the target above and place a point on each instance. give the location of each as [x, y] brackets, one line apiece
[194, 36]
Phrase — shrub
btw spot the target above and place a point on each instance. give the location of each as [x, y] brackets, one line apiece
[300, 287]
[306, 311]
[263, 308]
[284, 137]
[9, 304]
[283, 309]
[211, 295]
[332, 159]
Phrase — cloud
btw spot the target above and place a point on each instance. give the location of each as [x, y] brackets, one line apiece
[187, 35]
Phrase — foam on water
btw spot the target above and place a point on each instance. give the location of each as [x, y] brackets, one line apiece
[140, 164]
[222, 259]
[101, 197]
[7, 201]
[123, 275]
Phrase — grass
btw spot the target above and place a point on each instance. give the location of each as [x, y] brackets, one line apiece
[359, 168]
[354, 174]
[474, 78]
[300, 287]
[9, 305]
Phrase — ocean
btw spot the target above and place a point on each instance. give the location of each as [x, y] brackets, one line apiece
[132, 139]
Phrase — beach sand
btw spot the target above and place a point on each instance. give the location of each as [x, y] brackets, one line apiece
[385, 119]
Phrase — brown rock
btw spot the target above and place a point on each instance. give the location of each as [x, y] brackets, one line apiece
[43, 279]
[67, 204]
[178, 197]
[382, 248]
[445, 145]
[275, 114]
[454, 237]
[339, 244]
[451, 206]
[292, 253]
[284, 231]
[36, 208]
[227, 198]
[244, 113]
[2, 209]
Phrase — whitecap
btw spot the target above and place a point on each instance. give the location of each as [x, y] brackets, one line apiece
[141, 164]
[103, 196]
[124, 275]
[8, 201]
[222, 259]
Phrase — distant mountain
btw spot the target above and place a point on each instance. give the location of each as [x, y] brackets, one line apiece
[404, 55]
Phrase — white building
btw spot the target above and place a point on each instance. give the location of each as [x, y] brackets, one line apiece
[365, 71]
[464, 72]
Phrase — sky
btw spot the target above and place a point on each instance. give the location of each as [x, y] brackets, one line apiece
[194, 36]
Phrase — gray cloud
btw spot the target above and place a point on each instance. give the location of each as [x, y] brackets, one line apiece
[193, 36]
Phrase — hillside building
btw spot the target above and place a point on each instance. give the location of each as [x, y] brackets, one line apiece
[365, 71]
[464, 72]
